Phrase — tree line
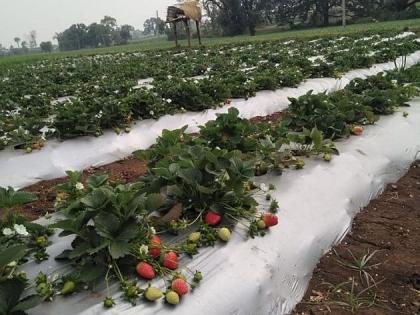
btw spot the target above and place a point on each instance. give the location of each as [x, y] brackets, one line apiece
[234, 17]
[26, 46]
[103, 34]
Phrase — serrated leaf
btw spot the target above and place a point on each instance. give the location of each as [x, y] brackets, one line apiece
[154, 202]
[119, 249]
[91, 272]
[79, 250]
[28, 303]
[96, 181]
[14, 253]
[10, 292]
[98, 199]
[10, 198]
[107, 225]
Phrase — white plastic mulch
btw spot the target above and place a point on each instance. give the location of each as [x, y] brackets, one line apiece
[18, 169]
[269, 275]
[262, 276]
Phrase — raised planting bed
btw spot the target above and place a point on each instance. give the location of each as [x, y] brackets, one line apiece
[19, 169]
[260, 237]
[85, 96]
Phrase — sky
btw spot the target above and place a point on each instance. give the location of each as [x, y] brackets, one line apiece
[46, 17]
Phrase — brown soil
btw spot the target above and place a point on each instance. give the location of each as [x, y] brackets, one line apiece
[271, 119]
[390, 225]
[125, 171]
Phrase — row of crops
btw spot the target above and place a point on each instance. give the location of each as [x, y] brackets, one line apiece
[198, 187]
[71, 97]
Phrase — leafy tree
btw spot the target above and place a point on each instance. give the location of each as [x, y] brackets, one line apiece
[235, 16]
[400, 5]
[154, 25]
[230, 16]
[126, 33]
[109, 22]
[98, 35]
[24, 45]
[46, 47]
[32, 39]
[254, 11]
[17, 40]
[105, 33]
[73, 38]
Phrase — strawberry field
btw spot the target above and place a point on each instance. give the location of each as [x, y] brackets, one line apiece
[71, 97]
[232, 213]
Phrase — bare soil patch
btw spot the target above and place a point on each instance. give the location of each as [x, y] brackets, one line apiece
[389, 225]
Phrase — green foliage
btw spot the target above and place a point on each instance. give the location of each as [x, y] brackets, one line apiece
[10, 198]
[11, 301]
[102, 92]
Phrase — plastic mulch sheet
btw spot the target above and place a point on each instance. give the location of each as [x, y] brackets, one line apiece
[269, 275]
[18, 169]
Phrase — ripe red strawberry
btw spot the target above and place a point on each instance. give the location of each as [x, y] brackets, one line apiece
[155, 245]
[270, 219]
[170, 260]
[357, 130]
[180, 286]
[212, 218]
[145, 271]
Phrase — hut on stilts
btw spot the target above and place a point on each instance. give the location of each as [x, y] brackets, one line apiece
[185, 12]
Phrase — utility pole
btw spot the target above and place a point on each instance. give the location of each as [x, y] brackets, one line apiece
[157, 24]
[343, 9]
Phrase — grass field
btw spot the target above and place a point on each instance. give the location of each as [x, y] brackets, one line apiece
[162, 43]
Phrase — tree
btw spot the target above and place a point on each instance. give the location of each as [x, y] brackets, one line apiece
[253, 11]
[290, 11]
[75, 37]
[235, 16]
[154, 25]
[229, 15]
[17, 40]
[109, 22]
[401, 5]
[98, 35]
[125, 33]
[32, 39]
[46, 47]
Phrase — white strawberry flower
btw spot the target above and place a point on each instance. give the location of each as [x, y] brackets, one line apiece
[152, 230]
[21, 229]
[79, 186]
[12, 264]
[8, 232]
[144, 249]
[264, 187]
[169, 101]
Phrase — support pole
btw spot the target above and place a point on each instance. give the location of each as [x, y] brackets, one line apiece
[187, 26]
[176, 34]
[343, 9]
[197, 23]
[157, 23]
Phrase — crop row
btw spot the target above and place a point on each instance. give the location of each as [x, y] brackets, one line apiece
[199, 186]
[72, 97]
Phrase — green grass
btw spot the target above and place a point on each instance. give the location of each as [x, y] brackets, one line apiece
[162, 43]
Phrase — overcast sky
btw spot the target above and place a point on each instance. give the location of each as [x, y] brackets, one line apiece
[19, 17]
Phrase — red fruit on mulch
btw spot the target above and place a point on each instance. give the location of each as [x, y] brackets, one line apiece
[155, 243]
[180, 286]
[170, 260]
[212, 218]
[145, 271]
[357, 130]
[270, 219]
